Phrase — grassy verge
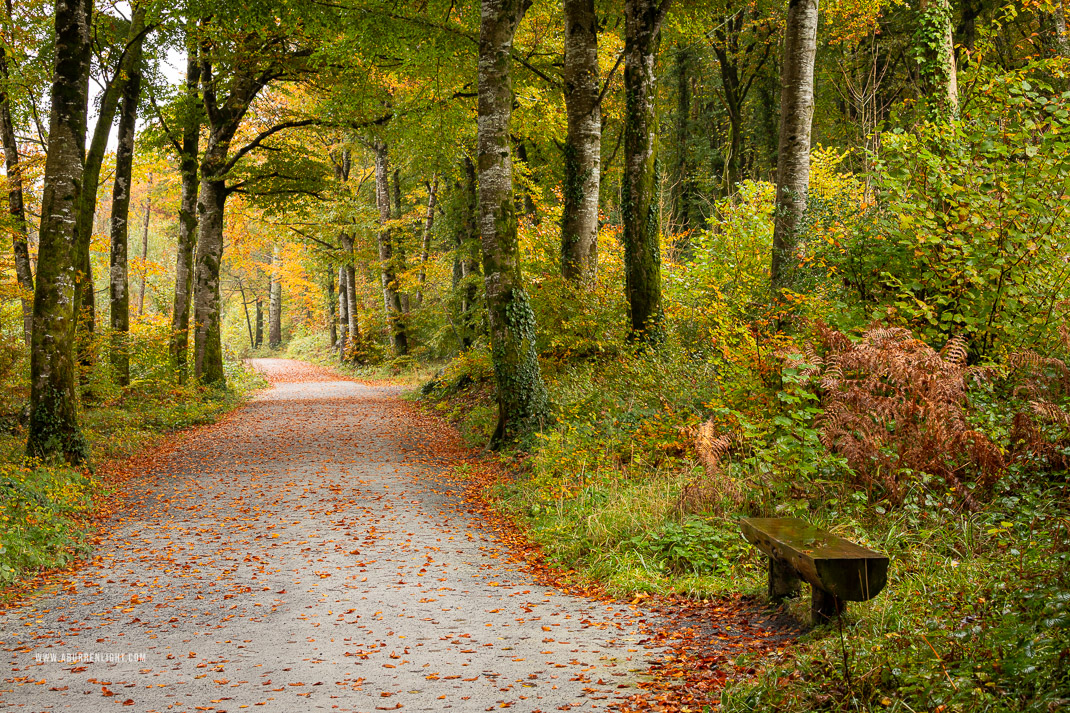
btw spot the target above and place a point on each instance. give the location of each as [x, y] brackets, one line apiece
[45, 515]
[976, 614]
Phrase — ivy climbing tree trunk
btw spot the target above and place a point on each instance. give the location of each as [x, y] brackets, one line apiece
[399, 338]
[275, 303]
[936, 49]
[119, 282]
[796, 118]
[642, 246]
[579, 219]
[53, 427]
[178, 346]
[85, 296]
[521, 394]
[16, 205]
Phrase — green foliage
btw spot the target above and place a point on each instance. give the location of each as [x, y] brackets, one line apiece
[966, 234]
[692, 546]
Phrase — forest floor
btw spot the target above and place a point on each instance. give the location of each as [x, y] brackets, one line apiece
[323, 548]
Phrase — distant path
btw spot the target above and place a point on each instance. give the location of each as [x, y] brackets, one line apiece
[297, 557]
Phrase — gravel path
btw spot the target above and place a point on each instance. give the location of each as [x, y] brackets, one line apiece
[304, 555]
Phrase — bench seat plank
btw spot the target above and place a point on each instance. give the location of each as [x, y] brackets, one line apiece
[848, 571]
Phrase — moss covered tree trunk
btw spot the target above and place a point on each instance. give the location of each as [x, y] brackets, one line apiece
[119, 282]
[796, 118]
[16, 205]
[579, 219]
[642, 246]
[399, 337]
[178, 346]
[207, 357]
[53, 428]
[522, 398]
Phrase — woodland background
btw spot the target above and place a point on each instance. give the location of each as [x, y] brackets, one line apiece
[647, 374]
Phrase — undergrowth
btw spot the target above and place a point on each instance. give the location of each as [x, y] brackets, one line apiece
[976, 612]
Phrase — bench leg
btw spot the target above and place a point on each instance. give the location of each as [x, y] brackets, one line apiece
[783, 581]
[824, 606]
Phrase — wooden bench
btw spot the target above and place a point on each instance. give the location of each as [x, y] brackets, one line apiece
[838, 570]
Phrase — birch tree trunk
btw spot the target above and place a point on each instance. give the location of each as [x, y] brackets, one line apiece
[939, 73]
[391, 298]
[178, 346]
[521, 394]
[16, 206]
[53, 427]
[642, 247]
[275, 304]
[119, 283]
[796, 116]
[425, 247]
[579, 220]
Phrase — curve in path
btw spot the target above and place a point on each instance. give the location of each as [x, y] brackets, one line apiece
[300, 556]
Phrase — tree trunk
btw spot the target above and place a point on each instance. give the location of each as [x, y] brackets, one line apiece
[275, 304]
[207, 360]
[248, 322]
[178, 347]
[85, 297]
[642, 248]
[15, 201]
[350, 293]
[683, 178]
[343, 314]
[939, 73]
[466, 262]
[391, 298]
[53, 427]
[119, 283]
[425, 247]
[332, 326]
[522, 397]
[259, 323]
[579, 220]
[1060, 40]
[144, 253]
[793, 155]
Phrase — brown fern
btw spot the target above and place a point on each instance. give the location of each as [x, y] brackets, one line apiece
[709, 490]
[894, 406]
